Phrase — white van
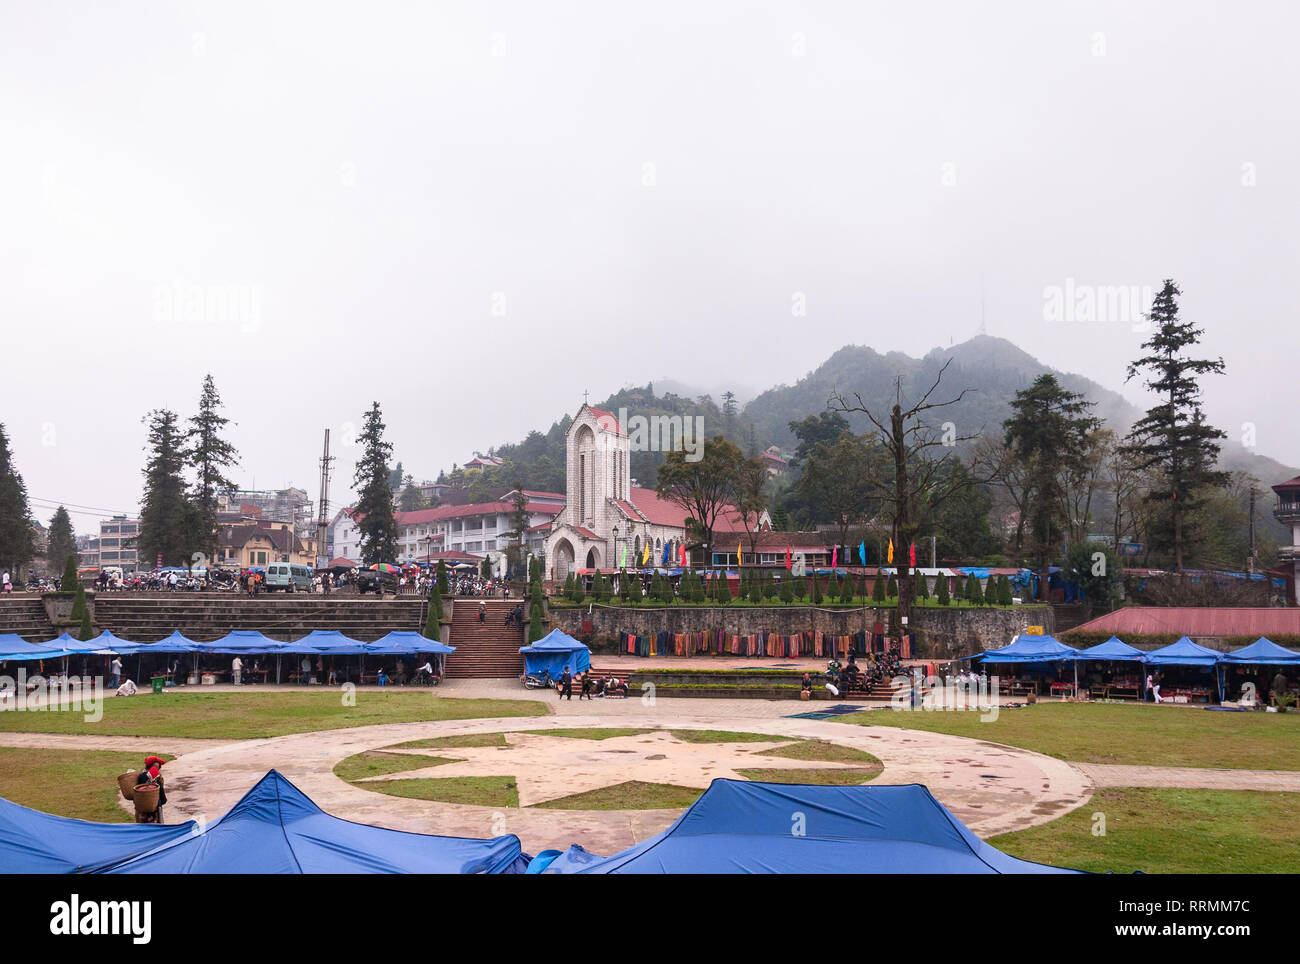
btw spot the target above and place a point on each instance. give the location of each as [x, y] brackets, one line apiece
[288, 576]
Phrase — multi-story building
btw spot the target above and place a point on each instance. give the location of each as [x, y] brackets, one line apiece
[478, 529]
[274, 505]
[117, 545]
[1287, 512]
[257, 542]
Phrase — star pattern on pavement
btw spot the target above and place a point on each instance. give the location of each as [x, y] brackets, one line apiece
[549, 767]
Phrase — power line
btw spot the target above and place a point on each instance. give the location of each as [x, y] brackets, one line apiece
[55, 503]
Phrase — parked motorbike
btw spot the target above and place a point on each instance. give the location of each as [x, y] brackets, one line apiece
[538, 681]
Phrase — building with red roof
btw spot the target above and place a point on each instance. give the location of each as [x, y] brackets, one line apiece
[607, 521]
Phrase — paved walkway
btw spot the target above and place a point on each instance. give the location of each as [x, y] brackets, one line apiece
[991, 787]
[1110, 775]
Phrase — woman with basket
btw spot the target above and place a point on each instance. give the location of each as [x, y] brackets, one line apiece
[149, 795]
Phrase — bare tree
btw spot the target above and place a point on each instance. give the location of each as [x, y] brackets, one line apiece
[908, 438]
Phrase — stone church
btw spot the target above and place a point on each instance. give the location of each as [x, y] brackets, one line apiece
[605, 515]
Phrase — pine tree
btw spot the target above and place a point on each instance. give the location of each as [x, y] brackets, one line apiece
[63, 544]
[166, 516]
[797, 586]
[1173, 438]
[69, 579]
[922, 586]
[434, 616]
[816, 595]
[973, 591]
[86, 631]
[374, 506]
[579, 592]
[891, 590]
[878, 589]
[210, 456]
[16, 542]
[1004, 592]
[787, 590]
[634, 594]
[941, 590]
[442, 577]
[846, 590]
[80, 608]
[568, 587]
[724, 589]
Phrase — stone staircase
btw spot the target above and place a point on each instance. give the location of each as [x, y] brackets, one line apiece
[488, 650]
[26, 616]
[148, 617]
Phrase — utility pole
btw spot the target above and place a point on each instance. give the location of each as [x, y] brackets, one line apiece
[322, 521]
[1251, 564]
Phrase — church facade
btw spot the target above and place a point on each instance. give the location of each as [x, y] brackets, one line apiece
[607, 522]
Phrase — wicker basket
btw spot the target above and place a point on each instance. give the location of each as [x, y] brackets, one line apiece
[126, 783]
[145, 797]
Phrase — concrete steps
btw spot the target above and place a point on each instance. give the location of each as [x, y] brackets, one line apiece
[26, 617]
[148, 617]
[487, 650]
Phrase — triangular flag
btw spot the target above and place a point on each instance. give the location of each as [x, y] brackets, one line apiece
[740, 559]
[787, 557]
[862, 551]
[890, 558]
[645, 556]
[911, 555]
[835, 557]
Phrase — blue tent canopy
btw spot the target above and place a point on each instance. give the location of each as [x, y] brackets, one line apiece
[276, 829]
[175, 643]
[1112, 650]
[743, 827]
[553, 652]
[13, 646]
[1184, 653]
[241, 641]
[406, 642]
[1029, 649]
[1263, 652]
[104, 641]
[327, 642]
[32, 842]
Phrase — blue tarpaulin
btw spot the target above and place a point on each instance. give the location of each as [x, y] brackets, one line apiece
[1029, 649]
[327, 642]
[1112, 650]
[32, 842]
[1184, 653]
[1263, 652]
[13, 646]
[175, 643]
[553, 652]
[772, 828]
[241, 641]
[276, 829]
[406, 642]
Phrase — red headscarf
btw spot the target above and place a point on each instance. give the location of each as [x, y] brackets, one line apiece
[152, 764]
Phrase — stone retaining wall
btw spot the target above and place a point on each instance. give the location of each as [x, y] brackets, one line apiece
[940, 633]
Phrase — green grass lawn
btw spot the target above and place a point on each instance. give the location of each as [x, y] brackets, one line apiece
[821, 751]
[242, 716]
[1133, 734]
[376, 763]
[632, 795]
[845, 777]
[591, 732]
[69, 783]
[1170, 831]
[483, 791]
[450, 742]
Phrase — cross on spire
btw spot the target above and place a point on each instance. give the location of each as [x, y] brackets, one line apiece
[584, 398]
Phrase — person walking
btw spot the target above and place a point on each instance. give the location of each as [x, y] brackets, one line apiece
[116, 667]
[305, 668]
[566, 684]
[1280, 684]
[236, 670]
[586, 685]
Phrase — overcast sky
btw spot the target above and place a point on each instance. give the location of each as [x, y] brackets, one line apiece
[474, 212]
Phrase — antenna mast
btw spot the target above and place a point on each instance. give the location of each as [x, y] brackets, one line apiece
[323, 520]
